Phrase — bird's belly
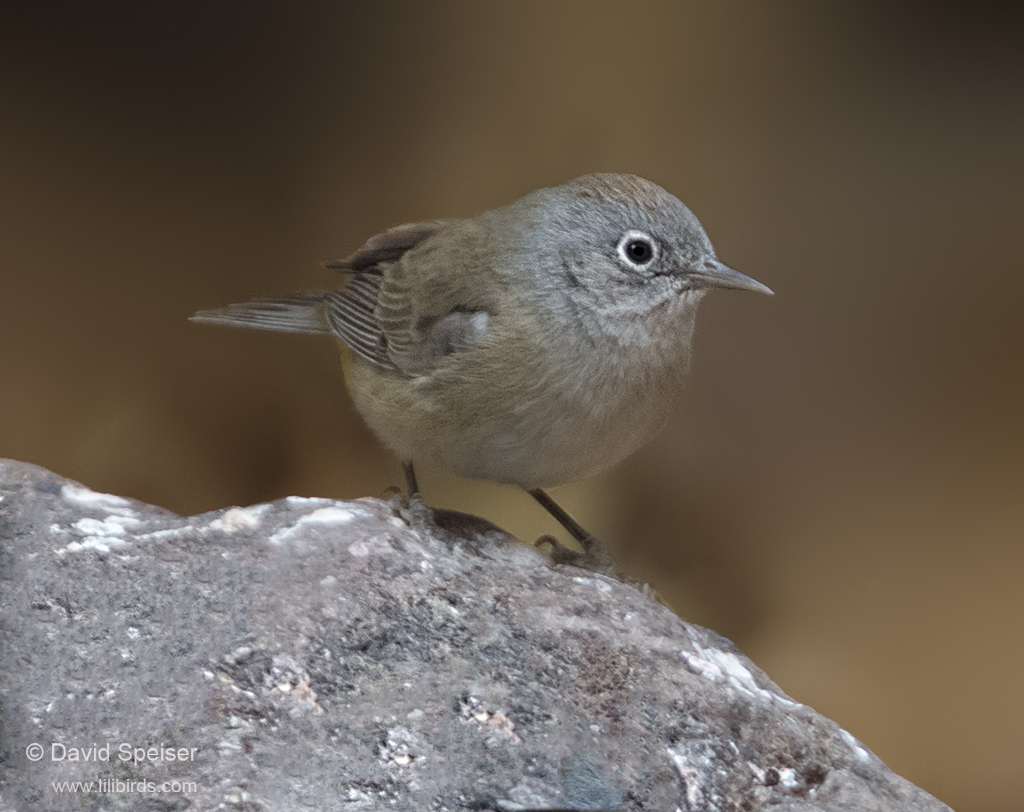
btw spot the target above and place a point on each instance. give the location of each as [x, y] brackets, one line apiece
[532, 433]
[567, 448]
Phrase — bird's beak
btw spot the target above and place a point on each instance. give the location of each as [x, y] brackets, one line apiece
[713, 274]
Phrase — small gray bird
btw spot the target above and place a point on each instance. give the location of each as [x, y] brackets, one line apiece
[532, 345]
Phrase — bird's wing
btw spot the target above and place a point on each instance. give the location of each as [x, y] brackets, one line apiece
[404, 316]
[352, 312]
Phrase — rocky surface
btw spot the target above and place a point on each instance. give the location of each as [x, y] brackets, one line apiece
[319, 655]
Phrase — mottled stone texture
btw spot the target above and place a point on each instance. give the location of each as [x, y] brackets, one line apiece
[310, 654]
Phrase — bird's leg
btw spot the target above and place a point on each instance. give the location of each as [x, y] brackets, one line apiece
[420, 517]
[410, 480]
[452, 528]
[594, 556]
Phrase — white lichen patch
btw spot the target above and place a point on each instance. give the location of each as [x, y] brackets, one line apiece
[101, 535]
[235, 519]
[101, 544]
[325, 516]
[788, 778]
[303, 501]
[595, 583]
[858, 749]
[690, 769]
[100, 501]
[169, 533]
[724, 666]
[331, 515]
[110, 526]
[111, 533]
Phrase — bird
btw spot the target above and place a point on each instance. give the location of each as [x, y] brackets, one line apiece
[532, 345]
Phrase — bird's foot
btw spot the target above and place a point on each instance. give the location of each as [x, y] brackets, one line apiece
[455, 530]
[594, 558]
[412, 511]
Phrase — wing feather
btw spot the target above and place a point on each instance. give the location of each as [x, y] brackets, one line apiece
[350, 312]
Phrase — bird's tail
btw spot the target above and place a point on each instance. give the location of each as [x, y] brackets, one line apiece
[302, 313]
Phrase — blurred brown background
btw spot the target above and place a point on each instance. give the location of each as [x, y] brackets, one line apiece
[841, 491]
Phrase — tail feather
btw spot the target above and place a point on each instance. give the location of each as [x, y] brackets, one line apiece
[303, 313]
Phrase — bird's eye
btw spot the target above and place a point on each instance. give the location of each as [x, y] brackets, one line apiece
[637, 248]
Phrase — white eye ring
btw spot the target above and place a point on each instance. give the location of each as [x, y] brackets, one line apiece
[637, 249]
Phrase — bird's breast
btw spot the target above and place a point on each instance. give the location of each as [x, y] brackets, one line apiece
[529, 406]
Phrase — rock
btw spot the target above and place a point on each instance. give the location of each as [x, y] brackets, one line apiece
[321, 655]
